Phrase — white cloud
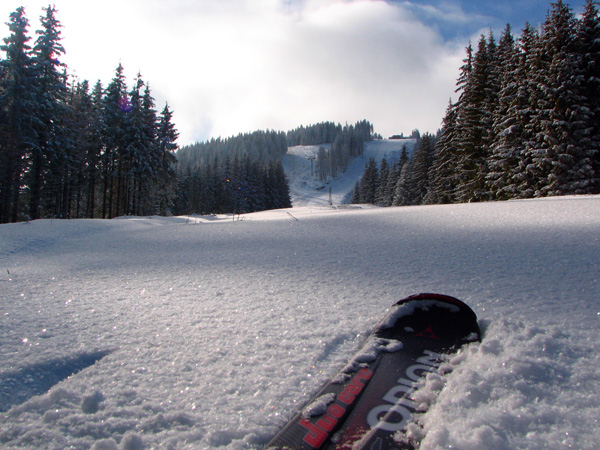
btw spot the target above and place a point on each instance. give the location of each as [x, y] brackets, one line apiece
[445, 11]
[239, 65]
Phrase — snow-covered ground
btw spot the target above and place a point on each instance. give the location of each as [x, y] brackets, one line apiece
[193, 333]
[307, 189]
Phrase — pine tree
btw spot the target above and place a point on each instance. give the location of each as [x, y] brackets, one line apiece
[93, 167]
[420, 168]
[322, 165]
[382, 183]
[58, 142]
[527, 117]
[114, 107]
[507, 126]
[18, 104]
[589, 44]
[138, 159]
[368, 183]
[473, 139]
[444, 178]
[562, 146]
[167, 145]
[392, 180]
[276, 186]
[50, 159]
[450, 153]
[355, 197]
[521, 176]
[402, 195]
[81, 122]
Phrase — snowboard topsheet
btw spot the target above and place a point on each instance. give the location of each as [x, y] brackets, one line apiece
[368, 404]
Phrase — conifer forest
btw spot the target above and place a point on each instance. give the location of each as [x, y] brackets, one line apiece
[69, 150]
[526, 123]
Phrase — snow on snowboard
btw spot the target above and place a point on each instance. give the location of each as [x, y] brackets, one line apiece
[368, 404]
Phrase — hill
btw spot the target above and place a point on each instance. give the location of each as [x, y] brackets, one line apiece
[307, 190]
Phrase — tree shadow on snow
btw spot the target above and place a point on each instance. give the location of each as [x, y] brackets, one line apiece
[19, 385]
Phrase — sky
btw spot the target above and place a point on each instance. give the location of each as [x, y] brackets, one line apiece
[234, 66]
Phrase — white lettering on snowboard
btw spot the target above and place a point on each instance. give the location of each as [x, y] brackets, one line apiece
[394, 414]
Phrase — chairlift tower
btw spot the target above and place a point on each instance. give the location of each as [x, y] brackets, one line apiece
[311, 159]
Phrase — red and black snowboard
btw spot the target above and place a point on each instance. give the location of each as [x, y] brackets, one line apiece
[368, 404]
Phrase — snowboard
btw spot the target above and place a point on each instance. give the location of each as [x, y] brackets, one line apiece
[368, 404]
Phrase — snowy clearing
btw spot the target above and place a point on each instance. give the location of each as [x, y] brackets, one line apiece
[192, 333]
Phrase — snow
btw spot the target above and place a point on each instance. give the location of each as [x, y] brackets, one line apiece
[210, 332]
[368, 353]
[318, 406]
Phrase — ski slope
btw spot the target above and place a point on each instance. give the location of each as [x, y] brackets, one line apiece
[209, 333]
[306, 189]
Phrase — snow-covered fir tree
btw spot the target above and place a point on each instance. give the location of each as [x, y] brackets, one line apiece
[49, 159]
[508, 124]
[560, 148]
[420, 166]
[17, 101]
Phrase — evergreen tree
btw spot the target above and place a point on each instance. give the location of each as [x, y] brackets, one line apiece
[392, 180]
[276, 187]
[382, 184]
[167, 145]
[355, 197]
[18, 104]
[368, 183]
[473, 124]
[451, 151]
[95, 139]
[322, 164]
[444, 178]
[138, 159]
[320, 133]
[420, 168]
[81, 123]
[561, 149]
[239, 174]
[402, 195]
[589, 45]
[504, 151]
[115, 105]
[50, 161]
[347, 145]
[520, 179]
[512, 116]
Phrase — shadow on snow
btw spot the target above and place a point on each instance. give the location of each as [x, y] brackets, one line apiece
[19, 385]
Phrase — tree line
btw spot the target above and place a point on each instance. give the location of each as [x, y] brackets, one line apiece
[69, 151]
[319, 133]
[348, 144]
[236, 175]
[397, 183]
[527, 119]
